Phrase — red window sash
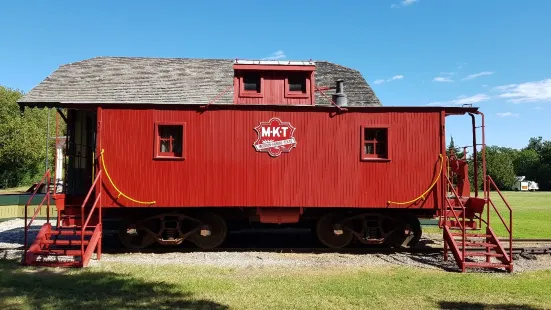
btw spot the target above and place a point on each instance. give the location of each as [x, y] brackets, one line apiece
[157, 154]
[386, 155]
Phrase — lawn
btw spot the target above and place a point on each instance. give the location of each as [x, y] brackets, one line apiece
[531, 214]
[125, 286]
[15, 190]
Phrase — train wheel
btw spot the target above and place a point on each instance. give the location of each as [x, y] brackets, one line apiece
[211, 233]
[407, 232]
[134, 236]
[332, 233]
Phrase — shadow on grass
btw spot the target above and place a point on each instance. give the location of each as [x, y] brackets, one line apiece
[48, 288]
[481, 306]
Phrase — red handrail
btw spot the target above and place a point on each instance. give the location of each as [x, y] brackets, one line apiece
[455, 215]
[509, 228]
[85, 222]
[45, 177]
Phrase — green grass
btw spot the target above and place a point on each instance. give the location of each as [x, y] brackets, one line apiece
[531, 214]
[126, 286]
[15, 190]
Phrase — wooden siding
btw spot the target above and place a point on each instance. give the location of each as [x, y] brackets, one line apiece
[222, 168]
[273, 90]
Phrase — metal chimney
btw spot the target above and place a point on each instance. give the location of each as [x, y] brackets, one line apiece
[339, 97]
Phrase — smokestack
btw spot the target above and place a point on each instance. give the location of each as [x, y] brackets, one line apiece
[339, 97]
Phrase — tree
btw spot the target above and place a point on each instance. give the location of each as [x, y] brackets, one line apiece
[452, 149]
[499, 166]
[535, 162]
[527, 163]
[22, 141]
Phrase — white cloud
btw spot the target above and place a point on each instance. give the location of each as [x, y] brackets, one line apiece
[442, 79]
[484, 85]
[461, 100]
[506, 114]
[538, 108]
[461, 65]
[474, 76]
[396, 77]
[447, 73]
[403, 3]
[277, 55]
[536, 91]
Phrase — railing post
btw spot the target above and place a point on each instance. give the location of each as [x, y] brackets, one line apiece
[100, 223]
[82, 228]
[487, 189]
[27, 225]
[511, 234]
[26, 234]
[48, 197]
[463, 230]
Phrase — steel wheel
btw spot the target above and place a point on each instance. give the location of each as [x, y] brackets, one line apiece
[325, 231]
[217, 227]
[133, 235]
[407, 232]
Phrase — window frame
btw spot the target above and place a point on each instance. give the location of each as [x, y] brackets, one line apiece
[375, 157]
[298, 94]
[157, 154]
[250, 93]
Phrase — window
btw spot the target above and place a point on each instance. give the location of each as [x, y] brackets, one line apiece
[374, 143]
[251, 84]
[296, 85]
[169, 141]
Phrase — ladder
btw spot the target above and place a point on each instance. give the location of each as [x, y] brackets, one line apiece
[69, 245]
[466, 233]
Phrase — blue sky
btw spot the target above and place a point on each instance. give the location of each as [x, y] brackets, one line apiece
[492, 54]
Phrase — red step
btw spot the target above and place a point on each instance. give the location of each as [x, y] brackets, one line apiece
[471, 254]
[64, 242]
[470, 235]
[70, 232]
[458, 213]
[469, 224]
[486, 265]
[61, 252]
[476, 244]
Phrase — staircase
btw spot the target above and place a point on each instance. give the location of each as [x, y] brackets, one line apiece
[469, 237]
[69, 245]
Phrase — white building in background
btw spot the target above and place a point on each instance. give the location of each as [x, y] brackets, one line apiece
[521, 184]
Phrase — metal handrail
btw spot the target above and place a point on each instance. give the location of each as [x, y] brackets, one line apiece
[463, 230]
[489, 201]
[46, 177]
[85, 222]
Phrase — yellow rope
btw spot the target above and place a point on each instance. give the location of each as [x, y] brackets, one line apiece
[428, 190]
[118, 190]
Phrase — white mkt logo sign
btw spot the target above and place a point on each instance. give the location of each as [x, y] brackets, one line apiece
[275, 137]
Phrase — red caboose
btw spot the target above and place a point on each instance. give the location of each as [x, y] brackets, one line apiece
[182, 149]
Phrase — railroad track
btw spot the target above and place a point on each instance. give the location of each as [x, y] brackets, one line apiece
[301, 243]
[308, 250]
[528, 240]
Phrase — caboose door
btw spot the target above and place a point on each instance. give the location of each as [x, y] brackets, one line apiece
[81, 147]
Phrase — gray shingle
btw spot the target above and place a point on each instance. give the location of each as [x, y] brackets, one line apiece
[136, 80]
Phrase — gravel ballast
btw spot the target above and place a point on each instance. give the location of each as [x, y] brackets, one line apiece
[12, 235]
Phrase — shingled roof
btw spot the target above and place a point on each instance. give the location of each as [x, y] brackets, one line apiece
[137, 80]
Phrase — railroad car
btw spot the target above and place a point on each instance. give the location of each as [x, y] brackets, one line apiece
[187, 149]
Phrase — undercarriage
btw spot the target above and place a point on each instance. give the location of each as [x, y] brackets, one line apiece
[207, 230]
